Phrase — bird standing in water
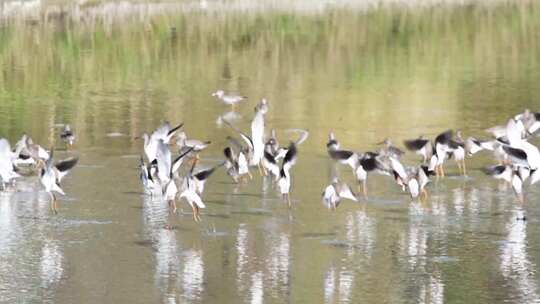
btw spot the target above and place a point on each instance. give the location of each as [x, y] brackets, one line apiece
[458, 149]
[420, 146]
[229, 99]
[52, 175]
[284, 181]
[68, 136]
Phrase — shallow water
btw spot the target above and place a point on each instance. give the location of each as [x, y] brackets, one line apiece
[116, 69]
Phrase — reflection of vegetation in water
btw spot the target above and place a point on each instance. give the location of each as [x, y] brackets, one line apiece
[368, 61]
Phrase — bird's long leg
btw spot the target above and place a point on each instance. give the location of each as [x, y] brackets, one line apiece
[459, 167]
[364, 187]
[288, 199]
[194, 211]
[51, 196]
[464, 168]
[54, 203]
[262, 171]
[442, 171]
[198, 213]
[425, 193]
[172, 203]
[249, 174]
[521, 199]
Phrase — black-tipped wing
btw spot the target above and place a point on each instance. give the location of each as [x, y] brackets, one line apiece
[66, 164]
[244, 136]
[515, 153]
[369, 164]
[290, 156]
[175, 129]
[453, 144]
[178, 161]
[331, 142]
[269, 157]
[204, 174]
[444, 137]
[415, 144]
[426, 170]
[494, 170]
[228, 152]
[340, 154]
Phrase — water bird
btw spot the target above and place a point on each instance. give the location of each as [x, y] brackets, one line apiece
[148, 176]
[52, 175]
[164, 132]
[344, 157]
[236, 165]
[167, 170]
[189, 193]
[474, 145]
[202, 176]
[7, 166]
[68, 136]
[29, 152]
[413, 180]
[420, 146]
[458, 149]
[333, 193]
[284, 181]
[511, 176]
[273, 153]
[368, 162]
[255, 142]
[442, 142]
[389, 149]
[195, 144]
[229, 99]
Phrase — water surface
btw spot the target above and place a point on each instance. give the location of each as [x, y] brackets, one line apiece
[366, 71]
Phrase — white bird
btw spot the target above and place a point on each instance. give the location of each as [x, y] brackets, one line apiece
[7, 167]
[238, 165]
[344, 157]
[229, 99]
[231, 164]
[164, 133]
[421, 147]
[333, 193]
[367, 162]
[184, 143]
[511, 176]
[333, 143]
[148, 177]
[52, 175]
[189, 193]
[68, 136]
[257, 136]
[273, 153]
[255, 143]
[457, 148]
[202, 176]
[284, 181]
[166, 172]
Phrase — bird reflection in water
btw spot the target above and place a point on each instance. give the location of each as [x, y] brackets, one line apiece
[515, 264]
